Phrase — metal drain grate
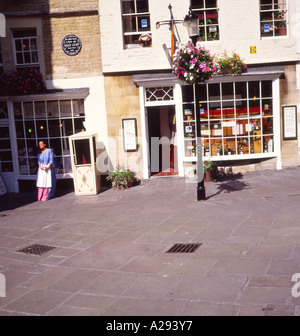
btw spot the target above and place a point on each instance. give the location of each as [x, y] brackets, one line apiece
[37, 249]
[184, 248]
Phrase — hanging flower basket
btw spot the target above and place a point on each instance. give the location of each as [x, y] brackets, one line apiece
[231, 65]
[193, 64]
[21, 82]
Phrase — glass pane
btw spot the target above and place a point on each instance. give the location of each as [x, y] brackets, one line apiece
[65, 146]
[206, 147]
[188, 112]
[267, 107]
[25, 45]
[33, 166]
[27, 58]
[189, 130]
[205, 131]
[54, 128]
[190, 148]
[216, 147]
[41, 129]
[28, 110]
[34, 57]
[214, 91]
[241, 127]
[255, 128]
[203, 111]
[266, 89]
[67, 127]
[6, 167]
[78, 125]
[215, 111]
[66, 109]
[255, 145]
[82, 151]
[142, 6]
[253, 90]
[254, 108]
[78, 107]
[33, 44]
[132, 39]
[24, 167]
[187, 93]
[229, 146]
[227, 91]
[143, 23]
[240, 90]
[216, 129]
[21, 147]
[267, 125]
[202, 92]
[228, 109]
[212, 33]
[197, 4]
[5, 156]
[58, 165]
[4, 132]
[128, 6]
[202, 34]
[129, 23]
[212, 17]
[243, 146]
[211, 3]
[67, 165]
[17, 111]
[268, 144]
[18, 45]
[55, 145]
[19, 129]
[29, 129]
[241, 109]
[228, 127]
[4, 144]
[40, 110]
[32, 149]
[52, 109]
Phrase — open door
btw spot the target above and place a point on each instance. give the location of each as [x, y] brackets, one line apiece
[162, 141]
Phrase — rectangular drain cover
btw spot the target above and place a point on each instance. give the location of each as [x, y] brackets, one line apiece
[37, 249]
[184, 248]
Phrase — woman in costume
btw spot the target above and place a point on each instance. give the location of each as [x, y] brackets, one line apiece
[46, 179]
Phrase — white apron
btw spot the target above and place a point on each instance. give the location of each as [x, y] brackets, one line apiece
[44, 179]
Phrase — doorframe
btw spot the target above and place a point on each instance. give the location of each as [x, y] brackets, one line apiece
[176, 102]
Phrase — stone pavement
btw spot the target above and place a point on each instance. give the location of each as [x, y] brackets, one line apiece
[110, 250]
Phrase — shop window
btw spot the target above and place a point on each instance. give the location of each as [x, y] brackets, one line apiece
[52, 121]
[235, 119]
[136, 23]
[273, 18]
[25, 48]
[207, 10]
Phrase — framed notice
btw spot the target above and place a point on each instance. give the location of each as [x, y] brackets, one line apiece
[130, 134]
[289, 120]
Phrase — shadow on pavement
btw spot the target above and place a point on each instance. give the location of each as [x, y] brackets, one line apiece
[230, 183]
[11, 201]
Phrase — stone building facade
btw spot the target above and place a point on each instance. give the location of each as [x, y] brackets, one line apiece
[74, 100]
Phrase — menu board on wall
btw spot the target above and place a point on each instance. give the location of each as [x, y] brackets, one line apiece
[289, 118]
[129, 135]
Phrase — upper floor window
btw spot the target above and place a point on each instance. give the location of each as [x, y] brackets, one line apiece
[207, 10]
[273, 17]
[136, 23]
[25, 47]
[1, 61]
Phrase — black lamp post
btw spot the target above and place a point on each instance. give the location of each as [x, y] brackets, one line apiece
[191, 22]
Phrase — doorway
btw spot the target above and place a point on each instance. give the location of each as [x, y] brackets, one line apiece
[162, 140]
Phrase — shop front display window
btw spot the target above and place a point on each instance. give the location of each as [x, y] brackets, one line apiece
[235, 119]
[208, 13]
[1, 60]
[52, 121]
[136, 23]
[273, 18]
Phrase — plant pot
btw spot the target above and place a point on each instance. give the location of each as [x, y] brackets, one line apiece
[208, 177]
[282, 30]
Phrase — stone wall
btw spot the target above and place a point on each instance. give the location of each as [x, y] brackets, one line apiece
[122, 101]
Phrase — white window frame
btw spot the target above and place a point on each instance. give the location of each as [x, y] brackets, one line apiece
[273, 21]
[205, 25]
[136, 15]
[14, 39]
